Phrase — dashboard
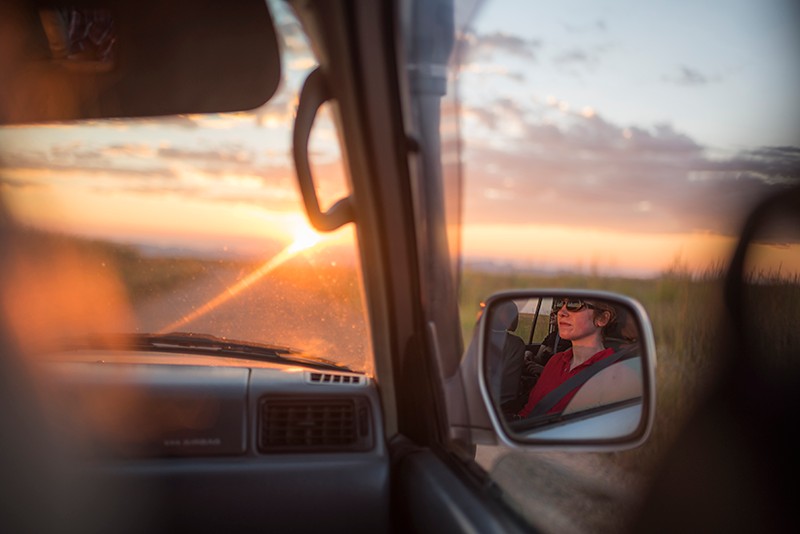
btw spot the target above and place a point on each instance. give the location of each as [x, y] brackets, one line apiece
[206, 443]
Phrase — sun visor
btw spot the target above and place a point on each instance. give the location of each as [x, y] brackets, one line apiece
[82, 59]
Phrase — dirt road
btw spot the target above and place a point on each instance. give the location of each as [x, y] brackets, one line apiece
[318, 312]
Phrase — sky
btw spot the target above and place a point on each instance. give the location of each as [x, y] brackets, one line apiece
[225, 181]
[724, 73]
[215, 183]
[623, 136]
[598, 135]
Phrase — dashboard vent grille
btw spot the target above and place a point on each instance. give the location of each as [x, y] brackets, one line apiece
[314, 425]
[334, 378]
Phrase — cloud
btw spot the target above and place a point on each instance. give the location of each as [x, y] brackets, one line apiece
[689, 77]
[180, 121]
[779, 164]
[10, 182]
[491, 53]
[76, 158]
[222, 172]
[485, 46]
[290, 32]
[575, 56]
[589, 172]
[185, 122]
[598, 25]
[235, 155]
[53, 171]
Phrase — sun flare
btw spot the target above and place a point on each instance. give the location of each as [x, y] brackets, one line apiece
[304, 239]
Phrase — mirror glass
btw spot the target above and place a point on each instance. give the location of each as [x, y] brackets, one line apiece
[770, 281]
[565, 367]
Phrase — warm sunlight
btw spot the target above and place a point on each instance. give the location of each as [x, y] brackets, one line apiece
[306, 238]
[773, 262]
[604, 252]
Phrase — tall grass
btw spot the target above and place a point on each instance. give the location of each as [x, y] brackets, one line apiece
[772, 307]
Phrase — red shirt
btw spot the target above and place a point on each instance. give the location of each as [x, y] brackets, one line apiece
[556, 372]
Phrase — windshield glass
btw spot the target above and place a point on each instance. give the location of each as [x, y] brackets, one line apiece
[184, 224]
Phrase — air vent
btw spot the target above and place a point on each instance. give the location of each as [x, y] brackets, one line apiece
[335, 378]
[314, 425]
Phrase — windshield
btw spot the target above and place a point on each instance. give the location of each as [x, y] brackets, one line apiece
[188, 224]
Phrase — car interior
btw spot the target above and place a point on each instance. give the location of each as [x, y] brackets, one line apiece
[174, 431]
[166, 429]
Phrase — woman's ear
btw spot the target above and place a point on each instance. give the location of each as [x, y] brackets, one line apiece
[603, 319]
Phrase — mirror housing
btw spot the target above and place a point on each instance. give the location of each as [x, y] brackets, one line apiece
[85, 59]
[609, 406]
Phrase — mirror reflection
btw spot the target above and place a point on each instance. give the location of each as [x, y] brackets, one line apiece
[565, 366]
[770, 281]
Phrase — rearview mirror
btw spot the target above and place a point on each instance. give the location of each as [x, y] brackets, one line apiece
[79, 59]
[567, 367]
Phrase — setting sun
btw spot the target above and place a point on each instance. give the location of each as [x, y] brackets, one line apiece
[305, 237]
[304, 240]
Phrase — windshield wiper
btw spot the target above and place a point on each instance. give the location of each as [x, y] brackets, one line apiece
[209, 344]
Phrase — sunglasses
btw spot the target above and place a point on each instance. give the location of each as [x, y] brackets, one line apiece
[573, 305]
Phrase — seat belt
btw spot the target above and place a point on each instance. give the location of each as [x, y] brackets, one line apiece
[552, 398]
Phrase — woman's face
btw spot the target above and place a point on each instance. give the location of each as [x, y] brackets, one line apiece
[578, 325]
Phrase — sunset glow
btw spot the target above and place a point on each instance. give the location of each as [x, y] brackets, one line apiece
[567, 163]
[304, 241]
[588, 250]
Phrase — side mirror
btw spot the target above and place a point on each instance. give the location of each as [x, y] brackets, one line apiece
[763, 295]
[567, 367]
